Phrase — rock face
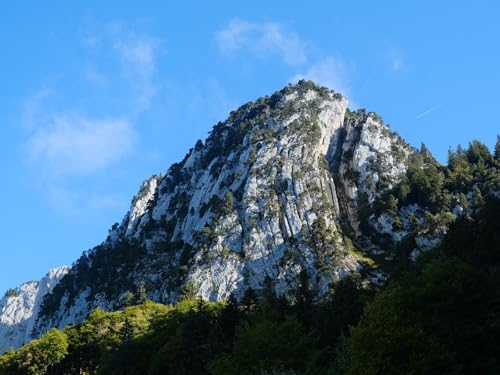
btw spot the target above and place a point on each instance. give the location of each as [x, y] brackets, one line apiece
[19, 309]
[287, 184]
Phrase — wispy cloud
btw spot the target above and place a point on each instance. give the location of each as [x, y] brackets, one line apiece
[138, 60]
[133, 56]
[262, 39]
[137, 54]
[427, 112]
[72, 139]
[76, 145]
[330, 72]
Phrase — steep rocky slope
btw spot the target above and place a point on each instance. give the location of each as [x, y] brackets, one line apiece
[289, 183]
[19, 309]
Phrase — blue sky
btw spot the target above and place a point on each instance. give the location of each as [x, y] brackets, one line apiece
[97, 96]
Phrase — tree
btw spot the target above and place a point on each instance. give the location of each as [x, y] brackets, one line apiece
[141, 295]
[392, 205]
[304, 298]
[189, 291]
[8, 364]
[227, 206]
[478, 153]
[384, 344]
[497, 148]
[40, 355]
[128, 299]
[249, 300]
[424, 151]
[268, 346]
[127, 331]
[228, 319]
[477, 198]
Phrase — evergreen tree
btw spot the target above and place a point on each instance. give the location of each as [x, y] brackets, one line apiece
[227, 206]
[188, 291]
[127, 331]
[141, 295]
[304, 298]
[477, 198]
[497, 148]
[249, 300]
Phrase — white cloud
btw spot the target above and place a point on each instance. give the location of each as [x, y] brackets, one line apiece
[75, 145]
[137, 55]
[262, 39]
[133, 58]
[330, 72]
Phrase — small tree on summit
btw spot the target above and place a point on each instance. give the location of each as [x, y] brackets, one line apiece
[227, 206]
[497, 148]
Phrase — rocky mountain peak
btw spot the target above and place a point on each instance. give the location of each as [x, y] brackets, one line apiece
[289, 184]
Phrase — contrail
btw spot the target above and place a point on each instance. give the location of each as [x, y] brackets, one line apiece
[425, 113]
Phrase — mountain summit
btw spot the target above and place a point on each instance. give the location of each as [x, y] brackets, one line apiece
[290, 186]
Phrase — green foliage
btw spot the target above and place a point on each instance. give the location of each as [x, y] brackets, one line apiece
[268, 344]
[189, 291]
[442, 315]
[38, 357]
[11, 292]
[322, 239]
[227, 206]
[497, 148]
[196, 337]
[218, 206]
[435, 190]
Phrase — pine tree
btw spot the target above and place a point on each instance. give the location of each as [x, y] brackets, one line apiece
[268, 289]
[188, 291]
[128, 299]
[497, 148]
[227, 206]
[304, 298]
[424, 151]
[249, 300]
[127, 331]
[477, 198]
[392, 205]
[141, 295]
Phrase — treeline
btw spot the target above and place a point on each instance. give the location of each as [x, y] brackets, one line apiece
[198, 337]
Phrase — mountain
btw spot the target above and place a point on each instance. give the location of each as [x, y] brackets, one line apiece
[292, 185]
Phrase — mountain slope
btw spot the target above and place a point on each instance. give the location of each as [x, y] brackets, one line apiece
[20, 307]
[289, 184]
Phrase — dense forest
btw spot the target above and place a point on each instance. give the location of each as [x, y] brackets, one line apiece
[437, 315]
